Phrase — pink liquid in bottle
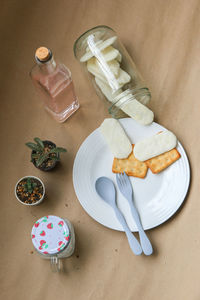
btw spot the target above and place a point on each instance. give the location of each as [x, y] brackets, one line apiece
[54, 83]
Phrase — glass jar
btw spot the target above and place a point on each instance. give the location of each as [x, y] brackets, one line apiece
[53, 238]
[111, 70]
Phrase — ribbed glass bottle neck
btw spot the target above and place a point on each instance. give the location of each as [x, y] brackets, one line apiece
[48, 66]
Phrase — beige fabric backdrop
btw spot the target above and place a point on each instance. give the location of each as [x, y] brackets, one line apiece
[163, 38]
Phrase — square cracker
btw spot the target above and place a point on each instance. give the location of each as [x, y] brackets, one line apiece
[130, 165]
[162, 161]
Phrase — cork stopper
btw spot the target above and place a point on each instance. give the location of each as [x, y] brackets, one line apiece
[42, 54]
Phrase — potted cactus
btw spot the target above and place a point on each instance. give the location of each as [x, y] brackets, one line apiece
[45, 155]
[30, 190]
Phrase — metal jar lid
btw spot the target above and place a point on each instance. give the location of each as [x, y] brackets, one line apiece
[50, 235]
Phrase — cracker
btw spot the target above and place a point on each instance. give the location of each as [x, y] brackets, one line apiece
[130, 165]
[162, 161]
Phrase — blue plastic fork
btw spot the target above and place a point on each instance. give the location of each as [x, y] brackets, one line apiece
[126, 189]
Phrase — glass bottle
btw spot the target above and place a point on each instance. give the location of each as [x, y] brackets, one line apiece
[54, 83]
[112, 72]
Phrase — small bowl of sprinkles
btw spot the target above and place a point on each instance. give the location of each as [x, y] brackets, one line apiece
[30, 190]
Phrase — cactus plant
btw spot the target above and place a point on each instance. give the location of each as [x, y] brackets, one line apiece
[44, 154]
[29, 185]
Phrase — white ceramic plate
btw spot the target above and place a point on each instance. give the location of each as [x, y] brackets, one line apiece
[157, 197]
